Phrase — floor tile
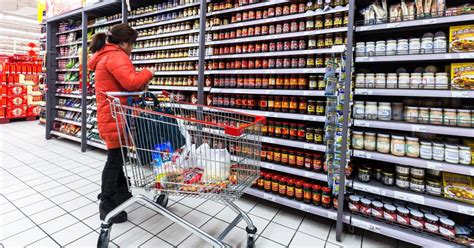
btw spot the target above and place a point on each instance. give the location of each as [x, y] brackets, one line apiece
[214, 227]
[89, 240]
[157, 242]
[11, 216]
[197, 218]
[278, 233]
[47, 215]
[140, 214]
[86, 211]
[156, 224]
[264, 210]
[331, 245]
[44, 243]
[245, 204]
[65, 197]
[210, 207]
[119, 229]
[28, 200]
[174, 234]
[93, 221]
[20, 194]
[258, 222]
[348, 240]
[7, 207]
[16, 227]
[316, 226]
[133, 238]
[58, 223]
[374, 240]
[179, 209]
[37, 207]
[70, 234]
[76, 203]
[266, 243]
[55, 191]
[302, 240]
[289, 219]
[24, 238]
[195, 242]
[236, 238]
[192, 202]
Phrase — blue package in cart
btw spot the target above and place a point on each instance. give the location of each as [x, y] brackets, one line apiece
[162, 156]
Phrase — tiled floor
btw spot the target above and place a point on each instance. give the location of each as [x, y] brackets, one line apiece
[48, 191]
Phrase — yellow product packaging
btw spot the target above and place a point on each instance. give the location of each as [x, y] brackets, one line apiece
[462, 76]
[461, 38]
[458, 187]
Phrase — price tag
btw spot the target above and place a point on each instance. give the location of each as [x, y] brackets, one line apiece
[269, 91]
[309, 118]
[393, 25]
[269, 71]
[363, 59]
[307, 93]
[429, 21]
[361, 123]
[472, 172]
[269, 197]
[304, 207]
[309, 174]
[362, 154]
[466, 210]
[463, 94]
[409, 197]
[366, 225]
[267, 140]
[332, 215]
[271, 115]
[466, 55]
[434, 165]
[309, 146]
[365, 28]
[418, 128]
[367, 188]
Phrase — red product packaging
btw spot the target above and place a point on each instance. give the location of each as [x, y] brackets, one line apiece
[2, 112]
[16, 111]
[16, 100]
[16, 89]
[33, 111]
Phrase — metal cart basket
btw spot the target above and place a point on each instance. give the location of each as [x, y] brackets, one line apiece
[177, 148]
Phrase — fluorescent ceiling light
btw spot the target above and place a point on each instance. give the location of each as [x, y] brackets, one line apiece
[19, 39]
[17, 18]
[17, 46]
[20, 32]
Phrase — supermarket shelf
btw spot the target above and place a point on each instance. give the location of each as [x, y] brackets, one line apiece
[104, 23]
[410, 196]
[96, 144]
[291, 116]
[277, 36]
[294, 171]
[278, 19]
[416, 162]
[67, 136]
[67, 70]
[182, 88]
[334, 49]
[292, 143]
[397, 232]
[159, 48]
[153, 61]
[70, 44]
[160, 23]
[416, 93]
[416, 57]
[268, 71]
[68, 57]
[63, 82]
[320, 211]
[164, 10]
[166, 73]
[423, 22]
[192, 31]
[77, 123]
[69, 95]
[247, 7]
[70, 31]
[421, 128]
[269, 92]
[69, 108]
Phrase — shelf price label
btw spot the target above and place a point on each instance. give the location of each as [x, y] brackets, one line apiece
[305, 207]
[269, 197]
[366, 225]
[269, 91]
[409, 197]
[434, 165]
[364, 92]
[458, 93]
[268, 166]
[361, 123]
[418, 128]
[310, 118]
[393, 25]
[466, 55]
[429, 21]
[367, 188]
[309, 174]
[332, 215]
[466, 210]
[361, 154]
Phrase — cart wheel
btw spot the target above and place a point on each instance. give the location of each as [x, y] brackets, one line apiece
[250, 242]
[104, 237]
[162, 200]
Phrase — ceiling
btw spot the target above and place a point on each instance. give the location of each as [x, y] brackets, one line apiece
[18, 25]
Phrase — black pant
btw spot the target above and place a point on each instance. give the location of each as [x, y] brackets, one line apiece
[114, 184]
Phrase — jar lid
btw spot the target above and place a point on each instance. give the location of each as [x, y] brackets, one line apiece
[354, 198]
[357, 132]
[447, 222]
[441, 74]
[398, 137]
[465, 148]
[403, 210]
[440, 34]
[380, 41]
[425, 143]
[438, 144]
[359, 102]
[390, 207]
[383, 135]
[374, 103]
[370, 74]
[404, 74]
[390, 41]
[316, 187]
[411, 108]
[424, 108]
[370, 134]
[370, 43]
[325, 189]
[391, 74]
[307, 185]
[402, 40]
[384, 103]
[377, 204]
[451, 146]
[412, 138]
[402, 177]
[428, 35]
[386, 173]
[365, 201]
[360, 44]
[416, 74]
[449, 110]
[428, 74]
[414, 39]
[431, 217]
[436, 109]
[464, 111]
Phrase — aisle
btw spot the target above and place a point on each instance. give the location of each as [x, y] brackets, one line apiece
[48, 193]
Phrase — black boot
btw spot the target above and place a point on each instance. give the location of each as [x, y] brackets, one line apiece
[105, 207]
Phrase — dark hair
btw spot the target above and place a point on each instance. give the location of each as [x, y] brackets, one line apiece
[119, 33]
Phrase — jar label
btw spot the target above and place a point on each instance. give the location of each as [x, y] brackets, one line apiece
[446, 232]
[433, 190]
[416, 223]
[402, 220]
[431, 227]
[389, 216]
[376, 213]
[353, 207]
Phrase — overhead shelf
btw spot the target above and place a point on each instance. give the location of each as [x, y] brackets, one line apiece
[410, 196]
[277, 36]
[268, 71]
[104, 23]
[67, 136]
[164, 35]
[182, 88]
[161, 23]
[278, 19]
[276, 92]
[69, 108]
[70, 31]
[415, 93]
[96, 144]
[415, 127]
[197, 3]
[416, 57]
[153, 61]
[293, 143]
[295, 116]
[247, 7]
[69, 95]
[416, 162]
[416, 23]
[159, 48]
[166, 73]
[334, 49]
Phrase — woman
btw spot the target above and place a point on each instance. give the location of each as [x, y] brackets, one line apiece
[114, 72]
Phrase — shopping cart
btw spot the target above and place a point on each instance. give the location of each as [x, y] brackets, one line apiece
[177, 148]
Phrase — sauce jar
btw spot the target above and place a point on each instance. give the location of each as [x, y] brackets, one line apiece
[275, 182]
[390, 212]
[290, 188]
[363, 175]
[433, 187]
[416, 219]
[431, 223]
[402, 182]
[260, 180]
[388, 178]
[365, 205]
[282, 186]
[308, 161]
[284, 156]
[309, 134]
[326, 197]
[299, 160]
[267, 183]
[417, 185]
[299, 190]
[403, 216]
[293, 131]
[316, 195]
[301, 132]
[307, 193]
[377, 209]
[291, 159]
[317, 163]
[354, 203]
[446, 228]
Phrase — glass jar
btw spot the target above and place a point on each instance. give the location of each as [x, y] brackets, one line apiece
[441, 81]
[380, 80]
[451, 154]
[436, 116]
[427, 45]
[391, 47]
[416, 219]
[384, 111]
[357, 140]
[438, 151]
[360, 80]
[402, 46]
[423, 115]
[370, 48]
[433, 187]
[307, 193]
[404, 80]
[428, 80]
[380, 48]
[449, 117]
[363, 175]
[402, 170]
[397, 111]
[414, 46]
[360, 49]
[412, 147]
[370, 80]
[392, 81]
[290, 188]
[411, 114]
[370, 110]
[397, 145]
[383, 143]
[417, 173]
[417, 185]
[402, 182]
[299, 190]
[465, 156]
[359, 110]
[369, 141]
[317, 195]
[426, 151]
[326, 197]
[464, 118]
[431, 222]
[388, 178]
[439, 44]
[415, 81]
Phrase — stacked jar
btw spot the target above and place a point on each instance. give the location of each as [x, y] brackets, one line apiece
[311, 161]
[193, 11]
[291, 82]
[168, 41]
[427, 80]
[181, 66]
[175, 81]
[170, 28]
[160, 6]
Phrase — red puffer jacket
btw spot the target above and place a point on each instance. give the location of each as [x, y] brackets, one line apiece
[114, 72]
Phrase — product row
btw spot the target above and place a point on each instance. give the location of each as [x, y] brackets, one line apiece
[177, 53]
[68, 89]
[162, 5]
[68, 77]
[69, 115]
[310, 61]
[169, 41]
[182, 13]
[103, 19]
[387, 111]
[181, 66]
[291, 82]
[69, 51]
[300, 105]
[415, 80]
[169, 28]
[175, 81]
[399, 145]
[68, 64]
[66, 26]
[71, 103]
[66, 128]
